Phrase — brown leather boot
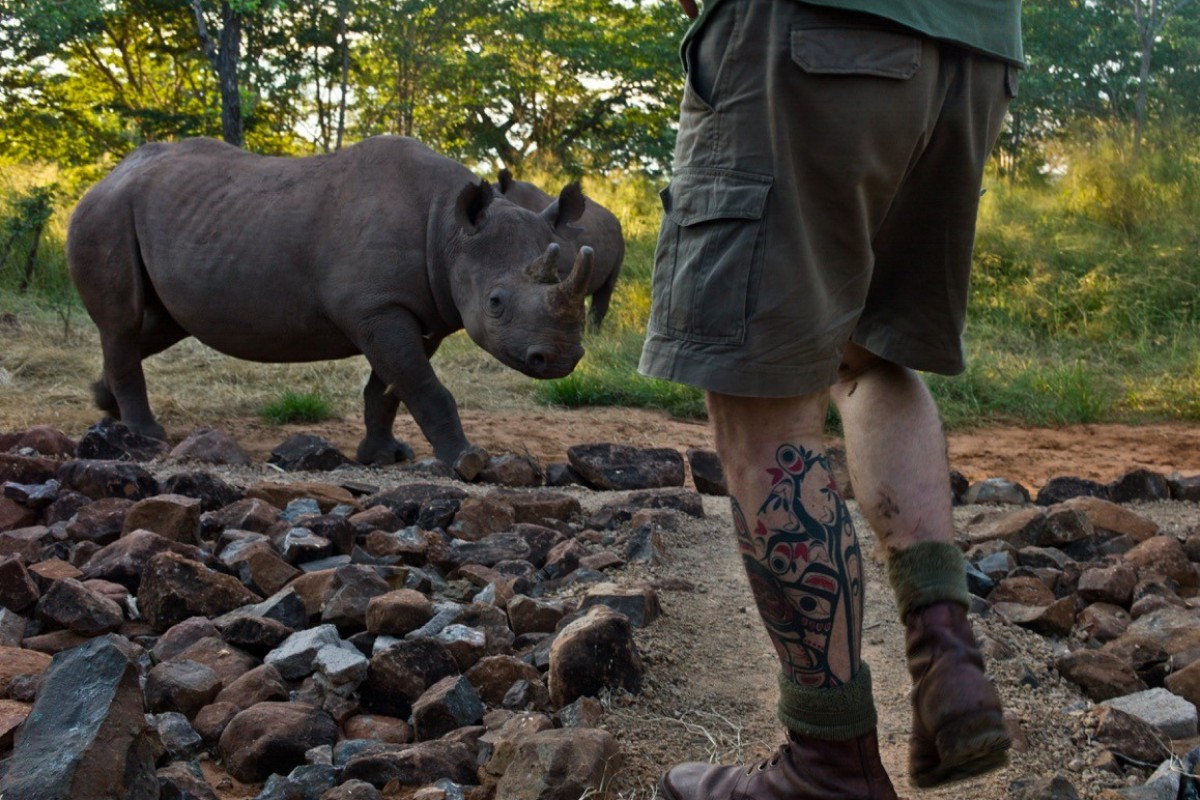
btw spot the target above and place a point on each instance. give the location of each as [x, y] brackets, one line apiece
[804, 768]
[958, 727]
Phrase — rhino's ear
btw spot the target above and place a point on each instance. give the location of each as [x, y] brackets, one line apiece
[472, 201]
[505, 178]
[567, 208]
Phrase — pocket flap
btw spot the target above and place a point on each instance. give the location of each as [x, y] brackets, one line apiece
[701, 194]
[856, 51]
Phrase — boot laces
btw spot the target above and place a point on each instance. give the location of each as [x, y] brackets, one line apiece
[768, 762]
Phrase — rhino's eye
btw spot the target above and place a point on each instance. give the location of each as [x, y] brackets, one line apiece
[496, 304]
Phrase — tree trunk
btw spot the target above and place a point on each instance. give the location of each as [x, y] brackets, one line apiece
[341, 123]
[31, 259]
[228, 57]
[224, 59]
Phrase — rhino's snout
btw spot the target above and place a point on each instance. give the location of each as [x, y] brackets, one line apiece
[542, 361]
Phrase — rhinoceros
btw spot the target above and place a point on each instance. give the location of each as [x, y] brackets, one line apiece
[384, 248]
[599, 229]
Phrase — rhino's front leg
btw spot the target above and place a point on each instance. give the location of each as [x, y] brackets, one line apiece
[403, 374]
[379, 445]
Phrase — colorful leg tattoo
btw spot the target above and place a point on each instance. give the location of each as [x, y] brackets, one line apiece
[805, 569]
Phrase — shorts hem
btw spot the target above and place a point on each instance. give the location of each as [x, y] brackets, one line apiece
[891, 345]
[673, 360]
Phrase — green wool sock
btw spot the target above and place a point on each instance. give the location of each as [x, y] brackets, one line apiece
[927, 573]
[833, 714]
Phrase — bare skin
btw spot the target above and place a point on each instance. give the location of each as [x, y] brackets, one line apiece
[794, 533]
[797, 542]
[896, 450]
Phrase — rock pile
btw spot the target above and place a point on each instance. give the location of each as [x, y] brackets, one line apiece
[326, 641]
[1116, 598]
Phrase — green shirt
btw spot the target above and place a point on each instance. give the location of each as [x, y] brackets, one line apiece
[989, 26]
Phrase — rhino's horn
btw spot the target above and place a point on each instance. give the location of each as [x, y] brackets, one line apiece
[545, 268]
[574, 287]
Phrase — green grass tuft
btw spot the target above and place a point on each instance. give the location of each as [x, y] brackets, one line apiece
[293, 406]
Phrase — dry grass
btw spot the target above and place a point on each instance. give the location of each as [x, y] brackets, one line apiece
[190, 384]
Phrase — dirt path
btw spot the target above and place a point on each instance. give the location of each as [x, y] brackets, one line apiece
[1028, 455]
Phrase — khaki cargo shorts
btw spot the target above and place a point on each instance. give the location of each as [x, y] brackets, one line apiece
[827, 177]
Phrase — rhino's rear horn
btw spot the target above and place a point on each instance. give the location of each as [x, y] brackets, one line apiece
[472, 201]
[567, 208]
[574, 287]
[544, 269]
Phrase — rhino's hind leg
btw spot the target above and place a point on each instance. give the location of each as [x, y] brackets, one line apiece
[121, 392]
[379, 446]
[105, 400]
[600, 300]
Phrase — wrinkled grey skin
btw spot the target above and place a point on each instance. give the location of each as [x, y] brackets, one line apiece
[598, 229]
[384, 248]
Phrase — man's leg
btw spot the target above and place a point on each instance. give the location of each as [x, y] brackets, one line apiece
[805, 570]
[897, 456]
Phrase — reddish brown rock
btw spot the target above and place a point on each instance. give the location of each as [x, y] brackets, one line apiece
[401, 674]
[1018, 527]
[259, 685]
[71, 605]
[248, 514]
[398, 612]
[210, 722]
[125, 561]
[479, 517]
[47, 441]
[1101, 676]
[593, 653]
[99, 479]
[175, 588]
[171, 516]
[264, 571]
[1186, 683]
[18, 590]
[560, 765]
[1113, 584]
[101, 521]
[350, 593]
[534, 615]
[639, 602]
[26, 469]
[228, 661]
[13, 515]
[1131, 737]
[1024, 590]
[1102, 622]
[539, 505]
[16, 661]
[328, 496]
[1109, 517]
[12, 714]
[182, 686]
[392, 730]
[494, 675]
[272, 738]
[26, 543]
[1162, 555]
[1056, 619]
[51, 570]
[209, 446]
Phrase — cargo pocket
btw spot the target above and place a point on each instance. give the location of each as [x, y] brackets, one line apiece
[709, 246]
[856, 50]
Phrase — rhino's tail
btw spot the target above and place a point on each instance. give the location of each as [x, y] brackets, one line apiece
[105, 400]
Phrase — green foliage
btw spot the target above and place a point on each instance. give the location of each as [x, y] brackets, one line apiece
[293, 406]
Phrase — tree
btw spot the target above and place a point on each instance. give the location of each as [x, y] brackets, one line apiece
[1151, 17]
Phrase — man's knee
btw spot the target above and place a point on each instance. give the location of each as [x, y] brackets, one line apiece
[858, 361]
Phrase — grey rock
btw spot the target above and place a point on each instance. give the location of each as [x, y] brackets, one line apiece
[1168, 712]
[86, 737]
